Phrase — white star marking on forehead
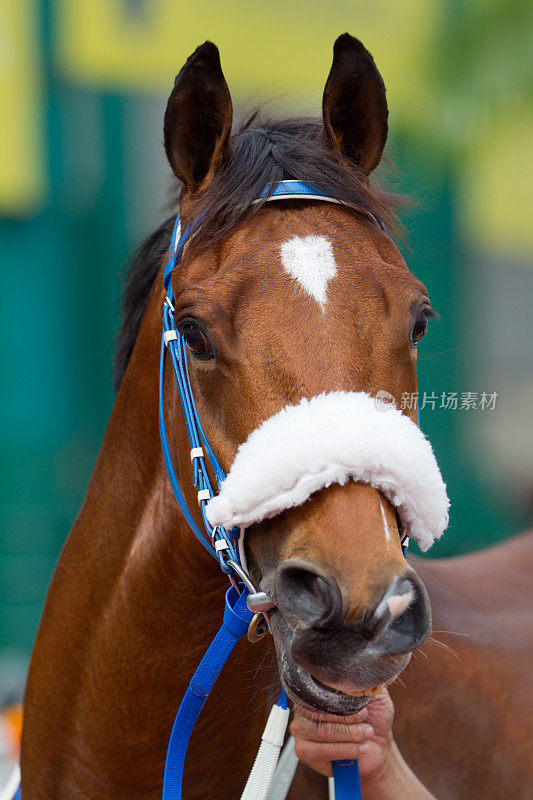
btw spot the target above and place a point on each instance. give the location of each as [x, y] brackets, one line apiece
[310, 261]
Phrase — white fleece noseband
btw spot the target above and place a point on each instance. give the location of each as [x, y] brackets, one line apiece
[333, 438]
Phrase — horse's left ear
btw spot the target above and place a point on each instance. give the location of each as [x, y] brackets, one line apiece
[354, 106]
[198, 118]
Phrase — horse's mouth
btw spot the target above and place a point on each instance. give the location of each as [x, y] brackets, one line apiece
[314, 695]
[305, 690]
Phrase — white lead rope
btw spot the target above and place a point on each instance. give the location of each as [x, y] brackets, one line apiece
[284, 774]
[260, 777]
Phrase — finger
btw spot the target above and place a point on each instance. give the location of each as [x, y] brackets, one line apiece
[302, 728]
[319, 756]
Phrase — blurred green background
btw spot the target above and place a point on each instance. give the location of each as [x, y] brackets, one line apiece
[83, 85]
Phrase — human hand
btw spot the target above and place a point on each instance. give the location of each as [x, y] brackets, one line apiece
[367, 736]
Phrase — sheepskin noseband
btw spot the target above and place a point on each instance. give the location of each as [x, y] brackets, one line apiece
[333, 438]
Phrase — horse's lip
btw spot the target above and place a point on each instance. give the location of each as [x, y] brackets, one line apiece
[356, 691]
[316, 697]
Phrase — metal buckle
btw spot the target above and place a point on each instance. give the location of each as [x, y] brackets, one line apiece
[257, 628]
[256, 601]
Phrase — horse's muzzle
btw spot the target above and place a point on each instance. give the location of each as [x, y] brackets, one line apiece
[331, 662]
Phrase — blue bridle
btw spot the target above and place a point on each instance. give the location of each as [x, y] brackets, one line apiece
[219, 542]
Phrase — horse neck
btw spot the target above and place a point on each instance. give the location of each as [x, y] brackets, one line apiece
[138, 600]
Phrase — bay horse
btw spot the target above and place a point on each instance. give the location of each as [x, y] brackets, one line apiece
[135, 600]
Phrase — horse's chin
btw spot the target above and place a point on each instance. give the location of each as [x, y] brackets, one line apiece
[315, 697]
[312, 695]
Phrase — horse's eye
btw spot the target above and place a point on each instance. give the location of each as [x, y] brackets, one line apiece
[195, 339]
[420, 327]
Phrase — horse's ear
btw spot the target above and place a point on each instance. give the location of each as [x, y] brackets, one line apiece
[354, 106]
[198, 118]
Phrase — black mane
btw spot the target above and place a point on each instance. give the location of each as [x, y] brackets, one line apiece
[260, 156]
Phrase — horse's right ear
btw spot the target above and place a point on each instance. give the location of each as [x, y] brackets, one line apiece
[198, 118]
[354, 106]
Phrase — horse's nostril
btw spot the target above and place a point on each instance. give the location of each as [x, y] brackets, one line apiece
[403, 614]
[329, 592]
[307, 598]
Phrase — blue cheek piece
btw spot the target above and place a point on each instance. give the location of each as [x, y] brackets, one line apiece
[218, 542]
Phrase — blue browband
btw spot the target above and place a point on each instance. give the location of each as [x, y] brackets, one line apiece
[217, 541]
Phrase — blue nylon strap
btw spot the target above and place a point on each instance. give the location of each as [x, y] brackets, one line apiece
[347, 781]
[282, 699]
[295, 190]
[217, 469]
[237, 618]
[177, 245]
[285, 189]
[168, 462]
[172, 340]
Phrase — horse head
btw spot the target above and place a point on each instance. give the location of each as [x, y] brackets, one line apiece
[296, 315]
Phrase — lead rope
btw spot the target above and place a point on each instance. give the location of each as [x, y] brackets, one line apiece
[235, 624]
[260, 778]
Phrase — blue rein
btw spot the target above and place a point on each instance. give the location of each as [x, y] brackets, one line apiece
[219, 542]
[235, 625]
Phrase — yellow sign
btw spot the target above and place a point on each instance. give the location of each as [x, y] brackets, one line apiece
[22, 180]
[283, 49]
[267, 49]
[497, 186]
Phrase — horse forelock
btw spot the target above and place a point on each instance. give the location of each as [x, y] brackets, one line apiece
[263, 152]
